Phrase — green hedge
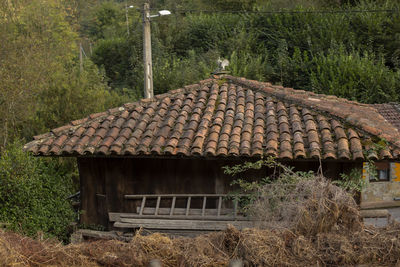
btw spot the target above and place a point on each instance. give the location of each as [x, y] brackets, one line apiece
[33, 194]
[355, 76]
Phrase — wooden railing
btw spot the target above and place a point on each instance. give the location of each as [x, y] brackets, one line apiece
[211, 212]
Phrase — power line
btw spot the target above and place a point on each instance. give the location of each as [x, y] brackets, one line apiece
[284, 11]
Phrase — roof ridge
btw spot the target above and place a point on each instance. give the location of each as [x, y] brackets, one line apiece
[360, 115]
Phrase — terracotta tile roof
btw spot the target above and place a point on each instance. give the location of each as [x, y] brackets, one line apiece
[391, 112]
[228, 116]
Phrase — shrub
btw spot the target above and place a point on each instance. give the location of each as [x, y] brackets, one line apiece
[363, 77]
[33, 194]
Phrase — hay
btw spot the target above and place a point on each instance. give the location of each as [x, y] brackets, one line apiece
[16, 250]
[309, 207]
[325, 230]
[255, 247]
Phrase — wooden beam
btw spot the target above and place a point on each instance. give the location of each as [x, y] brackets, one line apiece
[177, 195]
[181, 217]
[181, 224]
[375, 213]
[86, 233]
[114, 216]
[379, 204]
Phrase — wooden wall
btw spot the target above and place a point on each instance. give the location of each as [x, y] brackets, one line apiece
[104, 181]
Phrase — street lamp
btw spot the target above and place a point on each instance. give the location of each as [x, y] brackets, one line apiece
[161, 13]
[148, 66]
[126, 17]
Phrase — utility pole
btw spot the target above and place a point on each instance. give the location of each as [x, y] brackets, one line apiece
[126, 17]
[148, 68]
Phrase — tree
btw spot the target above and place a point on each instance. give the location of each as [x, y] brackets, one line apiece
[38, 70]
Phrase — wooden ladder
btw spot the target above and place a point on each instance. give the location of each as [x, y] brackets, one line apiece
[188, 211]
[181, 219]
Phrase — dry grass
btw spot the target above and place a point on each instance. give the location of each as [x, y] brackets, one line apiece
[325, 230]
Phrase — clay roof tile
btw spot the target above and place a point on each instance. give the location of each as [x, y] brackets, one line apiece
[237, 117]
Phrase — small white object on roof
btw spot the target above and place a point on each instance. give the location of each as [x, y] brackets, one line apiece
[222, 63]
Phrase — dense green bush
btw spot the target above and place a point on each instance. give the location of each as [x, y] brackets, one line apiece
[114, 55]
[173, 72]
[355, 76]
[33, 194]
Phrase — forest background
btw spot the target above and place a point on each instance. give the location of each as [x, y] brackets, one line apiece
[351, 49]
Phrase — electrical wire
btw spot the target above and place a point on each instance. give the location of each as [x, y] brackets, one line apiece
[181, 11]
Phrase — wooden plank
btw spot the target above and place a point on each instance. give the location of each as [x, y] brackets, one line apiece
[107, 235]
[181, 224]
[157, 205]
[177, 195]
[182, 211]
[92, 182]
[235, 207]
[375, 213]
[178, 233]
[380, 204]
[184, 217]
[219, 206]
[114, 216]
[203, 210]
[142, 205]
[188, 205]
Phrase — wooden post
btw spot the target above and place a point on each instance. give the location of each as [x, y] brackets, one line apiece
[219, 206]
[188, 205]
[235, 207]
[172, 206]
[157, 205]
[203, 210]
[142, 205]
[147, 62]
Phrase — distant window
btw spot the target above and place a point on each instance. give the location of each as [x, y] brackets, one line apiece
[383, 175]
[383, 172]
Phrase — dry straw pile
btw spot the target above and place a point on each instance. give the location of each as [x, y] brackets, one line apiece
[318, 224]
